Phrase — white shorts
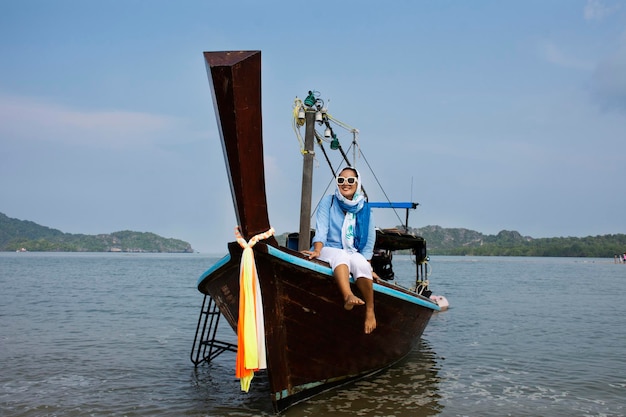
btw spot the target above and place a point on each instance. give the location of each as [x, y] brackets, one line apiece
[356, 262]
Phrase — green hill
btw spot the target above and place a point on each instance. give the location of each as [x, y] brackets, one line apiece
[459, 241]
[16, 234]
[511, 243]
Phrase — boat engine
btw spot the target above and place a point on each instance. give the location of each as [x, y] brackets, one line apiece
[381, 263]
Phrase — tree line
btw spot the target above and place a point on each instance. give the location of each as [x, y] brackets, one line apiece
[16, 235]
[461, 242]
[442, 241]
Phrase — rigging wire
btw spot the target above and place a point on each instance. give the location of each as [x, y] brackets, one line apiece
[314, 102]
[379, 184]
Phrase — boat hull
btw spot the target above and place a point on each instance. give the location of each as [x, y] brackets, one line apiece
[312, 342]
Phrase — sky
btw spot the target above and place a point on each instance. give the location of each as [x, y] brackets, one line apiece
[491, 115]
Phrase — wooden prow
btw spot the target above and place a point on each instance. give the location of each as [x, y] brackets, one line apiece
[235, 78]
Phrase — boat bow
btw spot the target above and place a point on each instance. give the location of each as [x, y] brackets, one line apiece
[235, 79]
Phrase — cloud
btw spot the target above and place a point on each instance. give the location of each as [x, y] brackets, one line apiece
[555, 55]
[24, 118]
[595, 10]
[609, 79]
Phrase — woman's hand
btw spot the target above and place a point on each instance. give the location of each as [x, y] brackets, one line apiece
[312, 254]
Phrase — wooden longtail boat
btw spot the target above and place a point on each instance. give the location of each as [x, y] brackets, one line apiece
[312, 343]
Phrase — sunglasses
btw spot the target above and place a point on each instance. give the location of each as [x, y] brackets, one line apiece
[349, 180]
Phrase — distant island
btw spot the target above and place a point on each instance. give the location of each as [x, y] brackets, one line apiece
[511, 243]
[16, 235]
[23, 235]
[465, 242]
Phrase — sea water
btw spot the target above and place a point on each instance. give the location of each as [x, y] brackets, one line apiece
[111, 335]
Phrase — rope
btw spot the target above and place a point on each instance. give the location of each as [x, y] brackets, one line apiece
[297, 105]
[297, 123]
[342, 124]
[250, 326]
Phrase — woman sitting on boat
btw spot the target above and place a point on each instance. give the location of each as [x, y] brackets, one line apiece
[344, 237]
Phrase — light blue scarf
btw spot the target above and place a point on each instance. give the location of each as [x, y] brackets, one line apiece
[356, 221]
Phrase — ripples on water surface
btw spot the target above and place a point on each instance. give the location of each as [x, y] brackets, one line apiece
[110, 335]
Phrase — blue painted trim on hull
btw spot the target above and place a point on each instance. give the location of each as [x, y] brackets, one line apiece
[217, 265]
[285, 393]
[326, 270]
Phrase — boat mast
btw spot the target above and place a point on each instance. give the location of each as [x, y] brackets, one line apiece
[304, 240]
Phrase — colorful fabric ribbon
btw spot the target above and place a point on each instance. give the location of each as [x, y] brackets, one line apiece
[250, 327]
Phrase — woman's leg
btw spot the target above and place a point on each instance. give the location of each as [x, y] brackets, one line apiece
[366, 286]
[342, 276]
[339, 261]
[363, 271]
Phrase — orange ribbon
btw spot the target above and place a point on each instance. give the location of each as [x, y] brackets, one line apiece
[250, 326]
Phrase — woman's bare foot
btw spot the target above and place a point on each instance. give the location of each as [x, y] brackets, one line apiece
[352, 300]
[370, 322]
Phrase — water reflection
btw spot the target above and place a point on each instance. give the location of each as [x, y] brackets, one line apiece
[410, 388]
[219, 392]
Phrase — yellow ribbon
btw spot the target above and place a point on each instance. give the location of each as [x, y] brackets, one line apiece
[250, 327]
